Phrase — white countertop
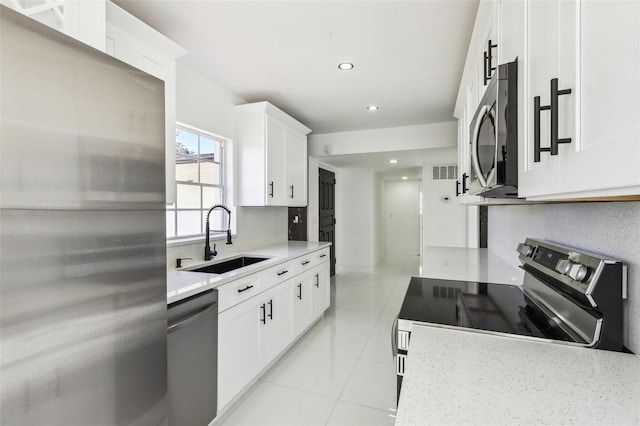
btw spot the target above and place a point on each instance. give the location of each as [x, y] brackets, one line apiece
[182, 283]
[462, 377]
[468, 264]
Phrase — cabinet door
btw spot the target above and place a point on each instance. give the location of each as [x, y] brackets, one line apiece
[320, 286]
[275, 191]
[487, 52]
[296, 168]
[239, 348]
[606, 152]
[551, 54]
[512, 27]
[302, 296]
[277, 333]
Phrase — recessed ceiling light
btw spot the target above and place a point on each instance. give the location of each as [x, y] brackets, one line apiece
[404, 178]
[345, 66]
[393, 161]
[372, 108]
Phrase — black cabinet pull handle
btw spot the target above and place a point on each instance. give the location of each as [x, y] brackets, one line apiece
[263, 314]
[554, 116]
[282, 272]
[464, 182]
[318, 280]
[457, 188]
[271, 309]
[240, 290]
[323, 255]
[553, 107]
[306, 262]
[536, 129]
[291, 191]
[300, 291]
[271, 191]
[488, 69]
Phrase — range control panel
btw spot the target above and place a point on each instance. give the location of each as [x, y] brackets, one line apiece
[577, 269]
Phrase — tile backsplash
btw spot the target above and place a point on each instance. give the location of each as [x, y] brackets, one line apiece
[610, 228]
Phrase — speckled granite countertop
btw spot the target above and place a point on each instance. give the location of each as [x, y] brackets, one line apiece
[461, 377]
[183, 283]
[468, 264]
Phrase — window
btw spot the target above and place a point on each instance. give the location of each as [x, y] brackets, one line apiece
[199, 184]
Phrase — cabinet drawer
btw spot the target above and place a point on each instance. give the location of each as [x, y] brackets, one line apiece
[238, 291]
[279, 273]
[322, 255]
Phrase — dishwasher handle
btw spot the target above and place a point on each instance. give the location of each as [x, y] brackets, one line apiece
[192, 318]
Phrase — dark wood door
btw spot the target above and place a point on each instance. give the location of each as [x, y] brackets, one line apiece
[327, 213]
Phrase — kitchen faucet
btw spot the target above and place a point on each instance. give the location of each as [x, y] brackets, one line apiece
[207, 248]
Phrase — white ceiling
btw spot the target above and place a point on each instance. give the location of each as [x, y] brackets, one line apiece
[409, 163]
[408, 55]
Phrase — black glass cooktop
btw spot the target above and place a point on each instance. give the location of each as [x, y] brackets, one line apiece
[482, 306]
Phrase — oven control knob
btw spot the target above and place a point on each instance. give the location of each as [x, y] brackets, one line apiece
[525, 249]
[578, 272]
[564, 266]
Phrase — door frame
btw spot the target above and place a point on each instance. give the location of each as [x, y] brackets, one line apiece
[313, 228]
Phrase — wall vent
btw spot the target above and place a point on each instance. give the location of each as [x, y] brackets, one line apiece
[447, 172]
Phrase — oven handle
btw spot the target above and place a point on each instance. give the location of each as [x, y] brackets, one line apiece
[394, 338]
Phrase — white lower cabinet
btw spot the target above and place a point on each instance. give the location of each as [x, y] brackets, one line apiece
[302, 294]
[320, 298]
[254, 332]
[239, 343]
[277, 321]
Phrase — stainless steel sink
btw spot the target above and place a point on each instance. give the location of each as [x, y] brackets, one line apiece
[230, 265]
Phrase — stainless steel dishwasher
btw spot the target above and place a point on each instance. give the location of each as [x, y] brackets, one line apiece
[192, 327]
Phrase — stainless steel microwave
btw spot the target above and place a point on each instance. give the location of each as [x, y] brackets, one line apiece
[494, 137]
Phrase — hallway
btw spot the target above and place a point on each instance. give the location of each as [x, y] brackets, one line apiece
[341, 372]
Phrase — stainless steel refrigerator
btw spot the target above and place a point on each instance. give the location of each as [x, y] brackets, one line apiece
[82, 234]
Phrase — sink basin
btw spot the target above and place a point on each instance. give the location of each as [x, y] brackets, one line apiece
[230, 265]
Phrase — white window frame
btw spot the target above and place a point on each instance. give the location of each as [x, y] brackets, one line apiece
[225, 186]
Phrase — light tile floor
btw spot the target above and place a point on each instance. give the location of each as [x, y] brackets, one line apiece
[341, 372]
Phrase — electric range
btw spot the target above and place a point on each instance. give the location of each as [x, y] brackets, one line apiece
[568, 296]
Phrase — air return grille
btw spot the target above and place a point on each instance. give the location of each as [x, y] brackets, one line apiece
[448, 172]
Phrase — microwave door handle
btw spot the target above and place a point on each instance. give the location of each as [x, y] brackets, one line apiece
[484, 110]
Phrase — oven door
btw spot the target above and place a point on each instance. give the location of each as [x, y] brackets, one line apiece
[484, 145]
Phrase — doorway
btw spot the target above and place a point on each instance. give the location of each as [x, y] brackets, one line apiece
[327, 212]
[402, 217]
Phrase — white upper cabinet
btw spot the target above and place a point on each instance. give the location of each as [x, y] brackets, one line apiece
[605, 156]
[295, 160]
[584, 63]
[487, 48]
[578, 94]
[80, 19]
[550, 62]
[272, 157]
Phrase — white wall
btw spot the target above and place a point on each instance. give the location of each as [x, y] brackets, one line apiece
[203, 104]
[426, 136]
[354, 216]
[610, 228]
[378, 224]
[444, 223]
[402, 217]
